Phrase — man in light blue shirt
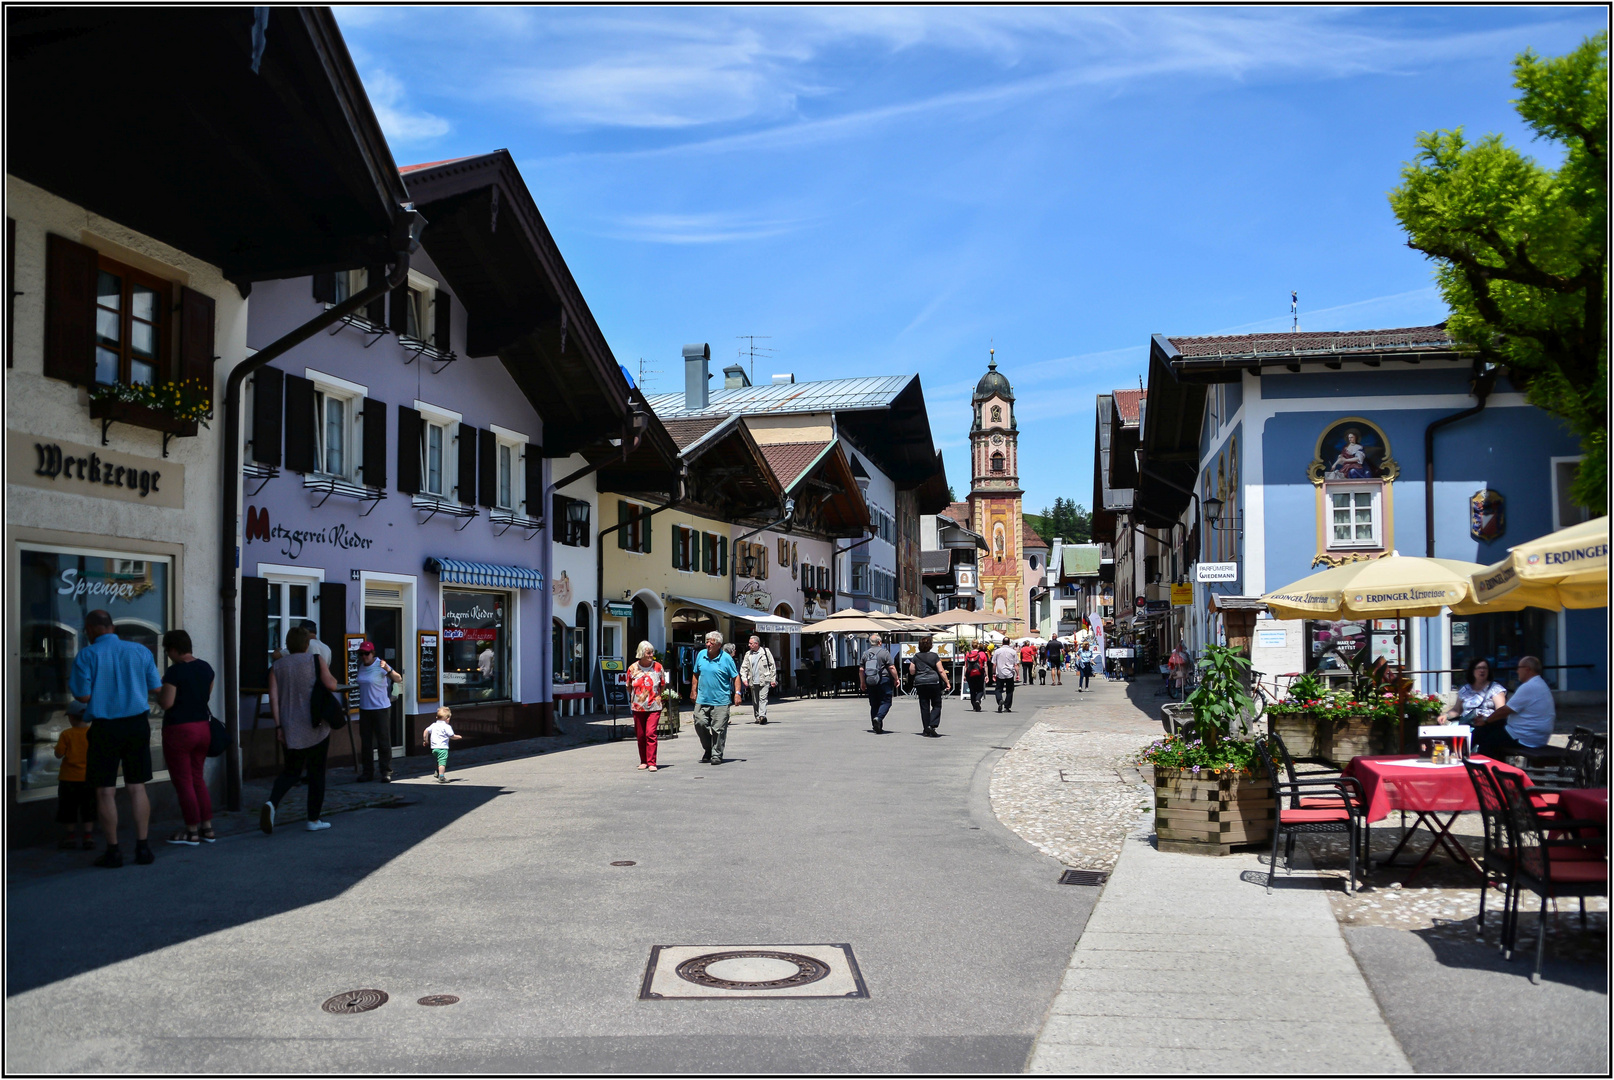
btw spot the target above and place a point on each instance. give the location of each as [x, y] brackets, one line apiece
[115, 679]
[1525, 721]
[715, 687]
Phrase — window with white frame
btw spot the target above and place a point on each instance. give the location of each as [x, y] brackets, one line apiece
[338, 426]
[509, 468]
[439, 450]
[422, 293]
[291, 604]
[1355, 515]
[1565, 511]
[350, 282]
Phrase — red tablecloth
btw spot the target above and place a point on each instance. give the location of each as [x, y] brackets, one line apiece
[1585, 803]
[1390, 783]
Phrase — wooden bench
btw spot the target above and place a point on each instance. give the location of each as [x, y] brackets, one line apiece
[571, 704]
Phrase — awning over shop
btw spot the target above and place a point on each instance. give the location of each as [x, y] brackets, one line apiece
[491, 575]
[768, 624]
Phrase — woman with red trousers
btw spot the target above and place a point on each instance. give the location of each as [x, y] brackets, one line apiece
[646, 681]
[187, 688]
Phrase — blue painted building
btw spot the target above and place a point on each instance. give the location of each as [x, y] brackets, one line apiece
[1276, 456]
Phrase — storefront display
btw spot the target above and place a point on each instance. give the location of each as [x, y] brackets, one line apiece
[476, 655]
[57, 588]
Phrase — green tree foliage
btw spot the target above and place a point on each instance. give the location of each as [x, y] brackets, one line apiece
[1065, 519]
[1522, 250]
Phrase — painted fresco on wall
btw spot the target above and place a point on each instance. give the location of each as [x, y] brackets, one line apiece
[1352, 451]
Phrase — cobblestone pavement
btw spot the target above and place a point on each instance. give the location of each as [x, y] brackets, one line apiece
[1068, 786]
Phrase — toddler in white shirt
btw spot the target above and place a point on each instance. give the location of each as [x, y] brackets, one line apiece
[437, 736]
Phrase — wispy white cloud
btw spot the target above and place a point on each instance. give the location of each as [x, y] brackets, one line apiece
[715, 227]
[401, 124]
[1393, 308]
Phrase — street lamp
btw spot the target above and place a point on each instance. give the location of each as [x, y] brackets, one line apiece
[1213, 510]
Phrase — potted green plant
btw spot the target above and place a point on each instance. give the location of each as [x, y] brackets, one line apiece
[176, 407]
[1210, 791]
[670, 722]
[1336, 725]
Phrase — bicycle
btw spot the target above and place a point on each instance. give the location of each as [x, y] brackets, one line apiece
[1264, 694]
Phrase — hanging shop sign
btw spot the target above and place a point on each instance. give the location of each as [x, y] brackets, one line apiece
[1156, 606]
[619, 609]
[1487, 515]
[1182, 594]
[56, 465]
[426, 666]
[1216, 571]
[753, 595]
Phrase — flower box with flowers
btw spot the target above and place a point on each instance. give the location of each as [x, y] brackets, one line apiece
[670, 720]
[175, 408]
[1339, 726]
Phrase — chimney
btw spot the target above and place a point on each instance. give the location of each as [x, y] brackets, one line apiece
[696, 357]
[734, 378]
[783, 380]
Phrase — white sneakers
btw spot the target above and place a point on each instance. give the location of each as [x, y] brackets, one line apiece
[266, 817]
[316, 826]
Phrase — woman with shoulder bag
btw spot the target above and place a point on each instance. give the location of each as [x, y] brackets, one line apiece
[930, 682]
[647, 680]
[291, 691]
[377, 680]
[187, 735]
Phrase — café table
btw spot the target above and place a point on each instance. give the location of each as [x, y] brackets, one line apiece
[1585, 804]
[1405, 782]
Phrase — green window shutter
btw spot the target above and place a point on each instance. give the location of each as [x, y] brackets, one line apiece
[706, 550]
[622, 516]
[672, 532]
[722, 556]
[645, 532]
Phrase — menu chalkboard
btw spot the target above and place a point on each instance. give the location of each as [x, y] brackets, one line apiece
[426, 666]
[351, 643]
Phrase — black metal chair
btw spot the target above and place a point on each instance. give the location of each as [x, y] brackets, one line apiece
[1561, 767]
[1497, 862]
[1342, 809]
[1580, 870]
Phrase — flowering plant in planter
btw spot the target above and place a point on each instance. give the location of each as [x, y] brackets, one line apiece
[183, 399]
[1218, 706]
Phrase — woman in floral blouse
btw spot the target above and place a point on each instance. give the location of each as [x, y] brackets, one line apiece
[646, 681]
[1478, 697]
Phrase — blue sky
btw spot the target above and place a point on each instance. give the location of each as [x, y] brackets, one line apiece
[886, 190]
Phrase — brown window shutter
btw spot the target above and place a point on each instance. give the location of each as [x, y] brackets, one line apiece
[442, 312]
[467, 447]
[535, 483]
[299, 424]
[325, 288]
[70, 275]
[333, 624]
[196, 354]
[267, 384]
[487, 452]
[376, 310]
[375, 443]
[408, 450]
[399, 315]
[254, 660]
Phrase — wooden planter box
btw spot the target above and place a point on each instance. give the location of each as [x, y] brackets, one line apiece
[1205, 814]
[1335, 739]
[670, 722]
[127, 412]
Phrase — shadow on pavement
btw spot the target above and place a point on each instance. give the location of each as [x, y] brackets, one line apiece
[1484, 957]
[83, 919]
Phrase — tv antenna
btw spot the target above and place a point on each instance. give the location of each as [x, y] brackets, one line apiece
[1294, 311]
[753, 350]
[646, 377]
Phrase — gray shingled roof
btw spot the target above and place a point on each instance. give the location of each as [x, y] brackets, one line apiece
[864, 392]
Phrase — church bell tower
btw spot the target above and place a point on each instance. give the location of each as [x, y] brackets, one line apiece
[995, 495]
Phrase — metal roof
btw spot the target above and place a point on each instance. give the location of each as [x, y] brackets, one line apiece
[841, 395]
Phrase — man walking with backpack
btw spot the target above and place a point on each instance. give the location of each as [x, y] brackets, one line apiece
[877, 677]
[975, 662]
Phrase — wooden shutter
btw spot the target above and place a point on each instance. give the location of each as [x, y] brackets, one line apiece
[762, 560]
[408, 450]
[267, 384]
[325, 288]
[376, 310]
[622, 515]
[467, 456]
[333, 624]
[300, 444]
[645, 531]
[375, 443]
[399, 323]
[723, 555]
[487, 452]
[676, 546]
[254, 659]
[704, 547]
[196, 354]
[442, 311]
[70, 278]
[535, 483]
[588, 522]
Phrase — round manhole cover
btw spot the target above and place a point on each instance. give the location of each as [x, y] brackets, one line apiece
[624, 862]
[752, 969]
[355, 1001]
[438, 999]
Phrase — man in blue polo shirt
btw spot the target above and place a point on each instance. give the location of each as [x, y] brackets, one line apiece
[115, 679]
[715, 687]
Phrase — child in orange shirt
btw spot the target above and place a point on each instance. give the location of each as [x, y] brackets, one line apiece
[75, 798]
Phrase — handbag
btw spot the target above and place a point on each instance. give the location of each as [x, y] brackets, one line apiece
[218, 740]
[323, 705]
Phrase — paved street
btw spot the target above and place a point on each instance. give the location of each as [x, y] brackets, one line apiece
[498, 888]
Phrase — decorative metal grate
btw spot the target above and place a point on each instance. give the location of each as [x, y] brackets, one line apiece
[1083, 877]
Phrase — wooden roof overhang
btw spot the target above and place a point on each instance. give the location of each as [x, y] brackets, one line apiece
[155, 118]
[487, 237]
[829, 503]
[1168, 466]
[727, 476]
[896, 436]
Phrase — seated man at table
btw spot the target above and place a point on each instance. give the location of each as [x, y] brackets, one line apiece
[1525, 721]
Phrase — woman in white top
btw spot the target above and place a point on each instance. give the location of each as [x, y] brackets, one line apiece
[1479, 697]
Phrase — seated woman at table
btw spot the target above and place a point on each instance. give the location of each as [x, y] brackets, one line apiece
[1478, 697]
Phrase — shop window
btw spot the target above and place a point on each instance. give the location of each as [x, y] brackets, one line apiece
[290, 604]
[1355, 516]
[57, 588]
[1565, 510]
[131, 325]
[477, 657]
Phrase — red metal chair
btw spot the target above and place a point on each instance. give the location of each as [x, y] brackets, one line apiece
[1316, 805]
[1536, 869]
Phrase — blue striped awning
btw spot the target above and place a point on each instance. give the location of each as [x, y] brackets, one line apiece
[491, 575]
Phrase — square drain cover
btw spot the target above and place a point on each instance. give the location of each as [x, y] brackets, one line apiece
[1083, 877]
[752, 971]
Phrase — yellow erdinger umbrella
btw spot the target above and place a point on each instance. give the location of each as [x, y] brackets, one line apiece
[1568, 568]
[1404, 585]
